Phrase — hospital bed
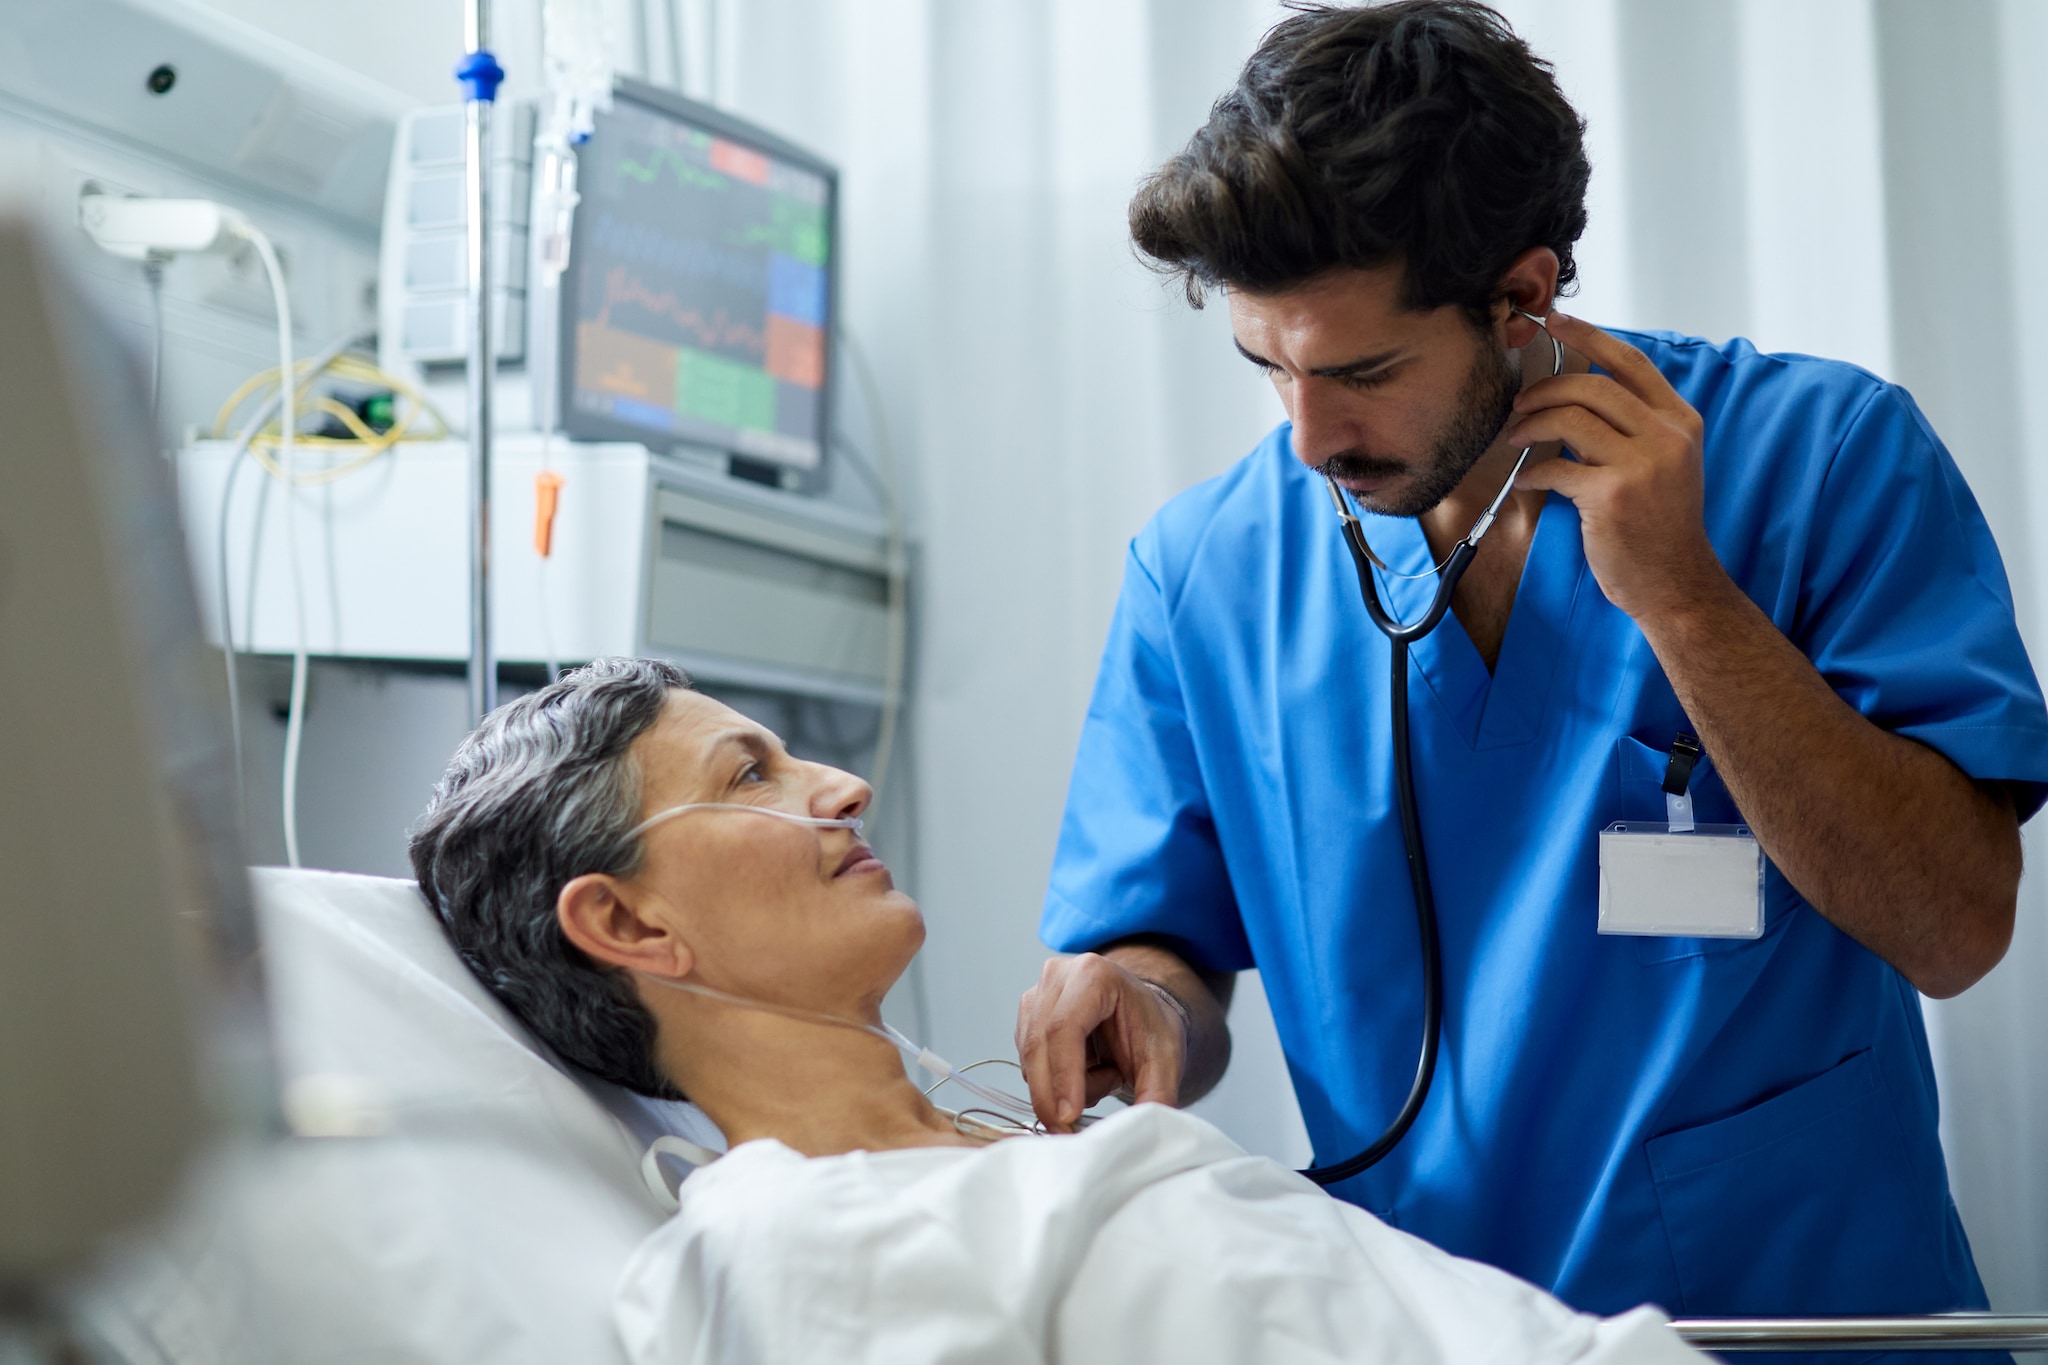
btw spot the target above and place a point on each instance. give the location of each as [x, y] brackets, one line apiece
[456, 1194]
[1926, 1332]
[451, 1193]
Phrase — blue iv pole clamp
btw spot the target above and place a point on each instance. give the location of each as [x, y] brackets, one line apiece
[480, 76]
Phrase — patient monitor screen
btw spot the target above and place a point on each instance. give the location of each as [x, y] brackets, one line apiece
[696, 306]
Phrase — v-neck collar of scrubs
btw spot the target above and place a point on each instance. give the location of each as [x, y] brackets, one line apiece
[1505, 707]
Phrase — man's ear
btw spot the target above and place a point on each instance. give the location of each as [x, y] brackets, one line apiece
[614, 925]
[1528, 284]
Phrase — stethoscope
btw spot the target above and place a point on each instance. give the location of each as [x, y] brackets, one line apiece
[1400, 636]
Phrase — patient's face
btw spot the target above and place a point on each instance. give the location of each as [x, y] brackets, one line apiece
[774, 911]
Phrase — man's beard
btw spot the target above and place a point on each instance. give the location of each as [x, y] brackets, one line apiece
[1485, 403]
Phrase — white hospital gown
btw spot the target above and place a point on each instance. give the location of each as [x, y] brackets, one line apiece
[1149, 1237]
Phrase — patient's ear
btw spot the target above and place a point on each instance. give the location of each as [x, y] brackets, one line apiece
[614, 926]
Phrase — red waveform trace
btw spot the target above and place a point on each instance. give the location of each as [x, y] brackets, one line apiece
[716, 330]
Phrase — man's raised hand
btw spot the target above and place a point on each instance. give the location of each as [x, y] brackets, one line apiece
[1636, 477]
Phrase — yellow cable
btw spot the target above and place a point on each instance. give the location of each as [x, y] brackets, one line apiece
[367, 444]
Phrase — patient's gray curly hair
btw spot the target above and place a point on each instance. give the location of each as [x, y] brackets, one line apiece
[544, 791]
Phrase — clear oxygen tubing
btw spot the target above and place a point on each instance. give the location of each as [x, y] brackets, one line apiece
[1399, 637]
[1010, 1106]
[1004, 1103]
[662, 817]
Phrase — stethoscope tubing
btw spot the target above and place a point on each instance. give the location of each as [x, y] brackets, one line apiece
[1399, 636]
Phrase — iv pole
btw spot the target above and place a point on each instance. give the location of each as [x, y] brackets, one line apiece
[480, 76]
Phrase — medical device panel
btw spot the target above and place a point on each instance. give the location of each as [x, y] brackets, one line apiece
[737, 583]
[425, 259]
[750, 597]
[695, 312]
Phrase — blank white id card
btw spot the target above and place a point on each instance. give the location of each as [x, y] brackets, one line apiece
[1707, 882]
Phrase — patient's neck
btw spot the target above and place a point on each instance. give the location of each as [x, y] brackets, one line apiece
[817, 1089]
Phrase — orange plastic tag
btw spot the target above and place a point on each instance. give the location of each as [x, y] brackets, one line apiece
[547, 488]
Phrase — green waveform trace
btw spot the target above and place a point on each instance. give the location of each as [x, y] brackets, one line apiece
[794, 228]
[687, 173]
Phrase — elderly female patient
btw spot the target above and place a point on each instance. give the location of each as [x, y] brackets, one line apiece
[853, 1219]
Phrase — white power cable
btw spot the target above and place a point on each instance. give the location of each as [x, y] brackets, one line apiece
[265, 410]
[287, 451]
[153, 275]
[152, 231]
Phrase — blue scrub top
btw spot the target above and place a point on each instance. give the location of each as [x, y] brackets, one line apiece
[1715, 1126]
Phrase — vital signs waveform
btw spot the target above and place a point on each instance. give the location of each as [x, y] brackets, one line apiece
[686, 172]
[718, 331]
[649, 245]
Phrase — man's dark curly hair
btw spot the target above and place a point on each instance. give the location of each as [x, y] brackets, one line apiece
[1422, 132]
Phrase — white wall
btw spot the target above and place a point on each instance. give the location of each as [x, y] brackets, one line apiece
[1860, 178]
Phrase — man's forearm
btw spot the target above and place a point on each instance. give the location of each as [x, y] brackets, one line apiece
[1203, 996]
[1886, 837]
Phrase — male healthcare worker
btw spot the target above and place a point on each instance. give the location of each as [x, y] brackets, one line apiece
[1772, 553]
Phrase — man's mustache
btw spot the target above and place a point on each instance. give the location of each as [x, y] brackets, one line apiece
[1356, 465]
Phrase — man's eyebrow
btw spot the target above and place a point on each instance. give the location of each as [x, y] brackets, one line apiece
[1257, 360]
[1362, 365]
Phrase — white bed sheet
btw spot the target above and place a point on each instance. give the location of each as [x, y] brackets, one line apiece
[1150, 1237]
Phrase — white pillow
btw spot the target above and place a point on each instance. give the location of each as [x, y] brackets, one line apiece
[487, 1208]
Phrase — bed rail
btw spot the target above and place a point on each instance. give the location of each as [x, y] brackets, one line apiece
[1928, 1332]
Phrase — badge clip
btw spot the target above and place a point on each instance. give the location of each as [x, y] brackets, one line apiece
[1683, 880]
[1685, 755]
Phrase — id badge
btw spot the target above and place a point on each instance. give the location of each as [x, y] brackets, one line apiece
[1677, 879]
[1706, 882]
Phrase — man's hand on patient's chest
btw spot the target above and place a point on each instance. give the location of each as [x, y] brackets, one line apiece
[1134, 1021]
